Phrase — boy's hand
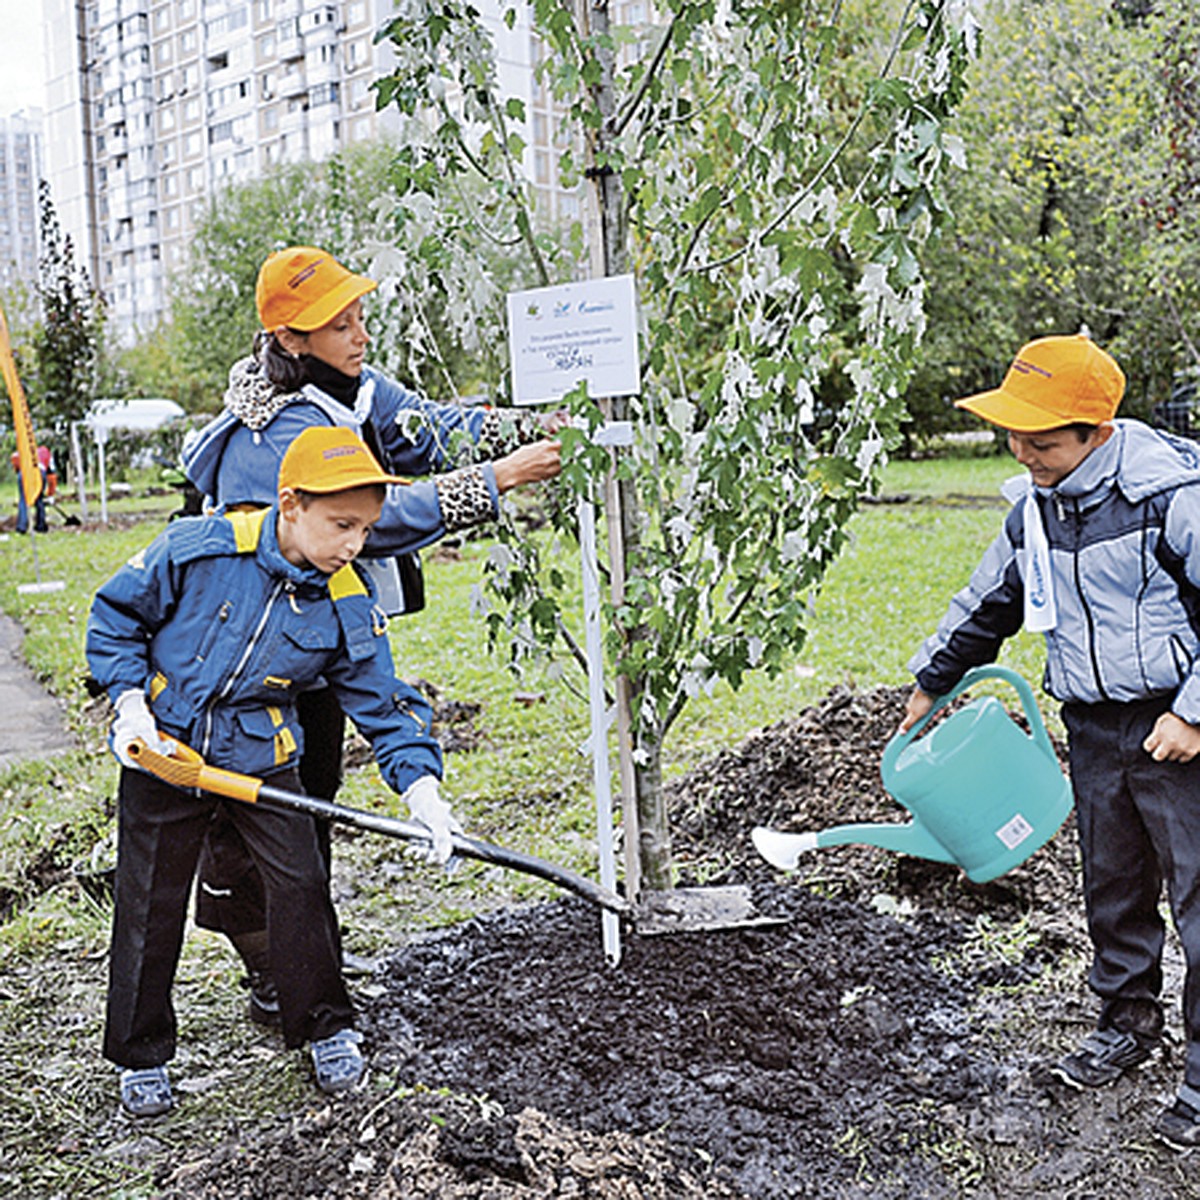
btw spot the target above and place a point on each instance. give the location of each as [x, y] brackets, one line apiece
[919, 703]
[134, 723]
[1172, 740]
[428, 807]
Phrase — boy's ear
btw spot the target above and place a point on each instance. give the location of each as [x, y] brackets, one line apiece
[289, 502]
[1104, 431]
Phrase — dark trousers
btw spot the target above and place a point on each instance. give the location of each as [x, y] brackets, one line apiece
[1139, 826]
[229, 897]
[39, 509]
[160, 830]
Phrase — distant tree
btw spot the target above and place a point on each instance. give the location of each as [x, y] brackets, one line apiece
[343, 204]
[1081, 205]
[69, 340]
[157, 365]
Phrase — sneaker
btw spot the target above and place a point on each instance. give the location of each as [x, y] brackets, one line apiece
[338, 1062]
[1104, 1056]
[1179, 1125]
[146, 1092]
[263, 1005]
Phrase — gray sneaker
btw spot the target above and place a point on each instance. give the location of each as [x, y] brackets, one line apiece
[338, 1062]
[1104, 1056]
[146, 1091]
[1179, 1125]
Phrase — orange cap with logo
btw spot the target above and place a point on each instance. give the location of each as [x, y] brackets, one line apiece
[330, 458]
[1054, 381]
[304, 288]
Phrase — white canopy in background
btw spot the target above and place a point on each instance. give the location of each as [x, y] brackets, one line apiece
[130, 414]
[106, 415]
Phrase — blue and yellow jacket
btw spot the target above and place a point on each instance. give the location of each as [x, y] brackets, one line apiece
[222, 633]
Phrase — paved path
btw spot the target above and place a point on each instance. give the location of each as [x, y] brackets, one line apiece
[31, 721]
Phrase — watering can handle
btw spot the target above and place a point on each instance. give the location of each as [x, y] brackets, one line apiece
[1038, 727]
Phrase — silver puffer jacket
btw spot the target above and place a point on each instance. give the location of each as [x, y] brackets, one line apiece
[1124, 536]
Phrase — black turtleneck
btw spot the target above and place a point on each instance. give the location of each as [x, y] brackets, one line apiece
[343, 388]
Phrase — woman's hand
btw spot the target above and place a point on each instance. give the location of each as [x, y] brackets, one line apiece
[553, 422]
[528, 464]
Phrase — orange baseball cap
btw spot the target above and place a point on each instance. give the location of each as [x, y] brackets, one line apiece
[304, 288]
[1052, 382]
[330, 458]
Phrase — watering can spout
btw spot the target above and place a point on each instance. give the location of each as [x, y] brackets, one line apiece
[783, 850]
[911, 838]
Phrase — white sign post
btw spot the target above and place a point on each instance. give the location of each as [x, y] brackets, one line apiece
[559, 337]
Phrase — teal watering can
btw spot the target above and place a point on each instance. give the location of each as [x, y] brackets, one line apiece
[982, 792]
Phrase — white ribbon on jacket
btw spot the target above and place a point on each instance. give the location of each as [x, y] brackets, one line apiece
[1041, 612]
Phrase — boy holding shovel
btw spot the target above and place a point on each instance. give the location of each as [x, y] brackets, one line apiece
[1101, 553]
[207, 636]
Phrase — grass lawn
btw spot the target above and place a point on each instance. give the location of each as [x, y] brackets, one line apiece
[526, 785]
[529, 781]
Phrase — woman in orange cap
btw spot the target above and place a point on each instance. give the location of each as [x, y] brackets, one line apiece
[308, 368]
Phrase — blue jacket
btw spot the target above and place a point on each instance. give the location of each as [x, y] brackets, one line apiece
[232, 463]
[222, 633]
[1124, 536]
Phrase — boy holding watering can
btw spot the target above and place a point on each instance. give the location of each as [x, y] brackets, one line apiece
[207, 636]
[1101, 553]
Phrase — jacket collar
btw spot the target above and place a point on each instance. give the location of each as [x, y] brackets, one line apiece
[271, 558]
[1138, 460]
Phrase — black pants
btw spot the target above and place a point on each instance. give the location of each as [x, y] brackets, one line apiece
[1139, 826]
[229, 897]
[160, 830]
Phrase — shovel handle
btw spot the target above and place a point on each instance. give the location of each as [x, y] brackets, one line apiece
[185, 768]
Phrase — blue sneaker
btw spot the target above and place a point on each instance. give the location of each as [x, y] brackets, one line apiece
[146, 1092]
[338, 1062]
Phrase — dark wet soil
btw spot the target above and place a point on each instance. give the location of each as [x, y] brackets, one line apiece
[888, 1038]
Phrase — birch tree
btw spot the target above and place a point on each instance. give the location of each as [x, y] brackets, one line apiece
[769, 172]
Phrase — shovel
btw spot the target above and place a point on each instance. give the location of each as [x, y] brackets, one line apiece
[186, 769]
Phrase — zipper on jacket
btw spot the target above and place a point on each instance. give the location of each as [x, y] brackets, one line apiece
[240, 666]
[1083, 604]
[222, 616]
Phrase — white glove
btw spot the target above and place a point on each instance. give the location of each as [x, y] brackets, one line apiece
[134, 722]
[428, 807]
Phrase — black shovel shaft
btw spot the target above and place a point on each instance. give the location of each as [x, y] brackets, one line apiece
[411, 831]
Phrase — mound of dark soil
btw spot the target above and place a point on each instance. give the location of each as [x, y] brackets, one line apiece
[840, 1053]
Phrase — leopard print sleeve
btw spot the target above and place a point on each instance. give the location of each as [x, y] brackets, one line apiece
[465, 498]
[504, 429]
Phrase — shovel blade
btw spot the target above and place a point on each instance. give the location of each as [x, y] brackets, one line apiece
[782, 850]
[700, 910]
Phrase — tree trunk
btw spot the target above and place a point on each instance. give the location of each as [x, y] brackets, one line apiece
[648, 841]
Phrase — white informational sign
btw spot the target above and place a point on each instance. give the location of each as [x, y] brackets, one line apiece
[560, 336]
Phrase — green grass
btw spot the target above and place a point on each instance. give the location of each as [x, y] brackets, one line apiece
[528, 781]
[527, 785]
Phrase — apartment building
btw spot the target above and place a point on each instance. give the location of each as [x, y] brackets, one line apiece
[20, 171]
[154, 105]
